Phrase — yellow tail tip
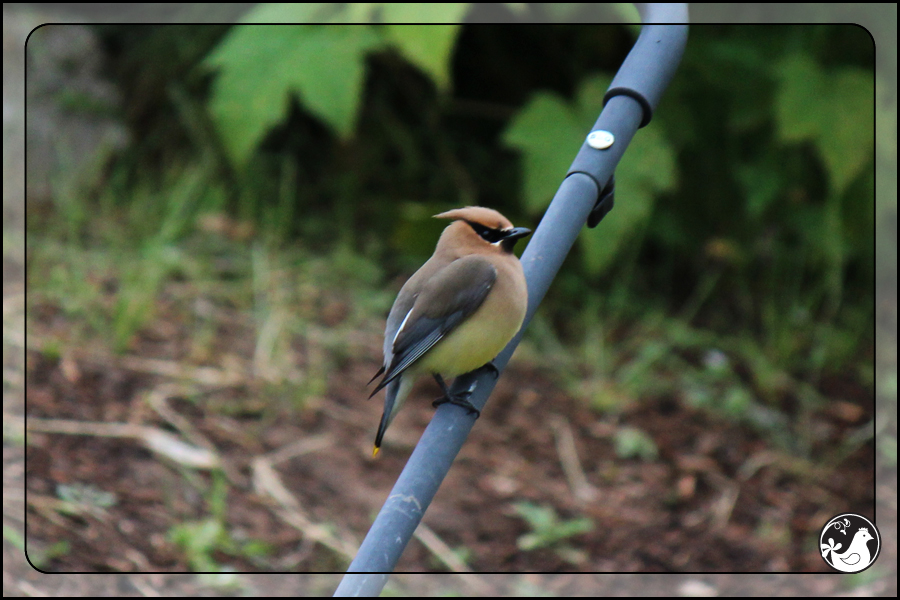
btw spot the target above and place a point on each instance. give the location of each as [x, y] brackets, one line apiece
[375, 451]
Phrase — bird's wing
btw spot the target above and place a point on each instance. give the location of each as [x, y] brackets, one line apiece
[451, 295]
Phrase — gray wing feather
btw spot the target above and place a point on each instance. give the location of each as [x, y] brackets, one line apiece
[451, 295]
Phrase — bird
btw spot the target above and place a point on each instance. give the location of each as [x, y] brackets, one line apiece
[457, 312]
[854, 558]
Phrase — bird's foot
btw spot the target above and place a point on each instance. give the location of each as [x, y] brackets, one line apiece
[461, 399]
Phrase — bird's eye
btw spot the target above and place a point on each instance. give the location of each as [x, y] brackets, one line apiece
[489, 235]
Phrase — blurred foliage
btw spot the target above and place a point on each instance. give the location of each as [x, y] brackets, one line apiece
[547, 528]
[762, 148]
[745, 208]
[631, 442]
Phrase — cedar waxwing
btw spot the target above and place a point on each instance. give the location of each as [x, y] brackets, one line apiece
[457, 312]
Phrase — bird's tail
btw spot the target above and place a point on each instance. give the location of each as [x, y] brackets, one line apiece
[394, 397]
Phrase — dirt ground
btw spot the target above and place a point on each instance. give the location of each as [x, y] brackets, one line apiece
[717, 499]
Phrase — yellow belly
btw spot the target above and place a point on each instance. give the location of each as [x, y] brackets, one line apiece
[474, 343]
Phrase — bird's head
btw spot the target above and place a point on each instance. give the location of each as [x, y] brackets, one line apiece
[477, 229]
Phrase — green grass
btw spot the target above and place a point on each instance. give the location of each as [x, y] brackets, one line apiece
[748, 376]
[201, 540]
[548, 530]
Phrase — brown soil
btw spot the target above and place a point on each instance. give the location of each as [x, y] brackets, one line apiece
[718, 498]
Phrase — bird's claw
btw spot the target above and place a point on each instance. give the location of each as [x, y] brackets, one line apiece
[460, 399]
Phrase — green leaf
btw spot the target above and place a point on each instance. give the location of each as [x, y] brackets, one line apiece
[261, 65]
[849, 147]
[547, 528]
[548, 132]
[429, 47]
[831, 108]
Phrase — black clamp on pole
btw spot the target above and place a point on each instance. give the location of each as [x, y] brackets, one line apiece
[605, 202]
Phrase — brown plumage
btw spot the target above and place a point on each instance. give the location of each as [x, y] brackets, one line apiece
[458, 311]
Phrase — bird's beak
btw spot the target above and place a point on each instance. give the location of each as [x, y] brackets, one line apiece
[516, 233]
[509, 239]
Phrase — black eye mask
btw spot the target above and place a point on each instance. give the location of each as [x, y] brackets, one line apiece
[491, 236]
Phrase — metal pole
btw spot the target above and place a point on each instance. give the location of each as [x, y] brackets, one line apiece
[633, 95]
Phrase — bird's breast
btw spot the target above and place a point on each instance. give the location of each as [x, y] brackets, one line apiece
[481, 337]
